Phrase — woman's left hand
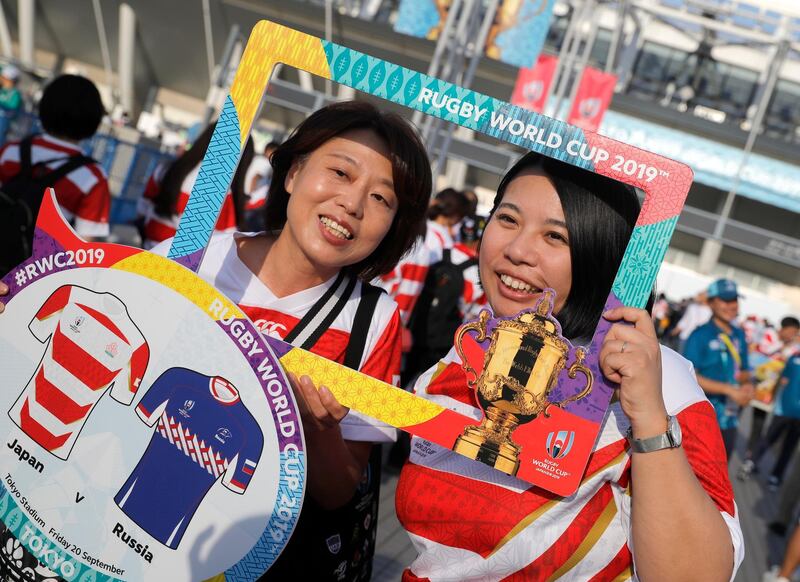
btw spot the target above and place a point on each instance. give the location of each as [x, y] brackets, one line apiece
[631, 357]
[319, 409]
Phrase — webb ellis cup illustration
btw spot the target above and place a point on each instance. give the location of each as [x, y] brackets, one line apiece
[520, 370]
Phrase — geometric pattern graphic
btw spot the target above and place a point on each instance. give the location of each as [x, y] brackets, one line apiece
[172, 275]
[208, 193]
[639, 267]
[268, 547]
[187, 442]
[386, 403]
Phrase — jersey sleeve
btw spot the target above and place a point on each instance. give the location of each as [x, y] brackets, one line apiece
[155, 400]
[44, 322]
[240, 471]
[91, 215]
[127, 383]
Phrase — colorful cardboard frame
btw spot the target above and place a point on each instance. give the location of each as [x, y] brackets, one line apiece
[665, 184]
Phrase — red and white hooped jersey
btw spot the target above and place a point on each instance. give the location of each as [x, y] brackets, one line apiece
[158, 228]
[93, 345]
[82, 195]
[275, 316]
[473, 300]
[405, 282]
[470, 522]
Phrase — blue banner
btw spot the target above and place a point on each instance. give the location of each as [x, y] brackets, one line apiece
[422, 18]
[519, 31]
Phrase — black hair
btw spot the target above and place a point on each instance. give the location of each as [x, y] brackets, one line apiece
[790, 321]
[600, 215]
[450, 203]
[411, 175]
[71, 108]
[167, 198]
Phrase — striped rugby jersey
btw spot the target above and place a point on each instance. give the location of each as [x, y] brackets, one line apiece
[203, 432]
[92, 345]
[82, 195]
[159, 228]
[470, 522]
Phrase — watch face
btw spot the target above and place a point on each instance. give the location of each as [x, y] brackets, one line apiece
[674, 429]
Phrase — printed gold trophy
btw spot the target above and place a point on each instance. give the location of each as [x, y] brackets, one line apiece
[520, 370]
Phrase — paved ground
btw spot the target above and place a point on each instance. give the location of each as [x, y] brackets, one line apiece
[757, 507]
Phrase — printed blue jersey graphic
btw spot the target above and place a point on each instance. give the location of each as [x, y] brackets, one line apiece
[203, 432]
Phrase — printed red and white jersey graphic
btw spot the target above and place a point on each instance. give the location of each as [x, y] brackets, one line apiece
[470, 522]
[83, 195]
[159, 228]
[92, 345]
[274, 316]
[185, 441]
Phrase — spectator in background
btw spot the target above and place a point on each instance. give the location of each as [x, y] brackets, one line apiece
[10, 98]
[791, 560]
[719, 353]
[785, 421]
[70, 111]
[446, 210]
[661, 314]
[696, 314]
[257, 180]
[167, 193]
[473, 300]
[767, 374]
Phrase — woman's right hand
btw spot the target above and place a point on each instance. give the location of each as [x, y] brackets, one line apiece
[3, 291]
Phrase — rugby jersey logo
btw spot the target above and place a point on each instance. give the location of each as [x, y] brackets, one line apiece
[560, 443]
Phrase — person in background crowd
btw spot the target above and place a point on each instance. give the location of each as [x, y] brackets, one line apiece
[662, 515]
[661, 314]
[696, 314]
[167, 193]
[473, 300]
[259, 176]
[785, 422]
[791, 560]
[70, 111]
[446, 210]
[472, 210]
[720, 356]
[10, 98]
[767, 372]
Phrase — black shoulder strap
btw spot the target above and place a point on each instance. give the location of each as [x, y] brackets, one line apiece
[72, 163]
[358, 335]
[446, 256]
[311, 327]
[468, 263]
[25, 147]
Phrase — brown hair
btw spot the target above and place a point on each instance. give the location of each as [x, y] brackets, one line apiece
[411, 174]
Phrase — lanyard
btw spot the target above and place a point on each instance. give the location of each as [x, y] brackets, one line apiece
[737, 358]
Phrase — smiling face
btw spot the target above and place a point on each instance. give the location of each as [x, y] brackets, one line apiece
[724, 310]
[525, 247]
[342, 201]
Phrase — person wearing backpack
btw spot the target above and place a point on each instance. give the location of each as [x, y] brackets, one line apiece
[449, 293]
[70, 111]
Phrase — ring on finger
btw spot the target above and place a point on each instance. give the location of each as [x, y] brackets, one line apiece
[622, 349]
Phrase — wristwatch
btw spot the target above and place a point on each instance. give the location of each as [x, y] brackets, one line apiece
[669, 440]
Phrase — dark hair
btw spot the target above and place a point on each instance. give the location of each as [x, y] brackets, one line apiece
[167, 199]
[790, 321]
[450, 203]
[71, 107]
[600, 215]
[411, 174]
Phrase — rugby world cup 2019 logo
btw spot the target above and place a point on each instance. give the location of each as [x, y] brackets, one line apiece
[560, 443]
